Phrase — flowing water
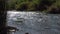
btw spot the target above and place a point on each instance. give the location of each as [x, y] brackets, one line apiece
[34, 22]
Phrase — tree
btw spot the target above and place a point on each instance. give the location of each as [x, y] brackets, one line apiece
[2, 17]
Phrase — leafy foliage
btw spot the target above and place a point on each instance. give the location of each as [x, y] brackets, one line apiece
[32, 5]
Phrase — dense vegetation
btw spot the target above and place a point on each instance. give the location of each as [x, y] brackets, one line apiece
[33, 5]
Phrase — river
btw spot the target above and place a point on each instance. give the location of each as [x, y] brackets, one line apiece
[34, 22]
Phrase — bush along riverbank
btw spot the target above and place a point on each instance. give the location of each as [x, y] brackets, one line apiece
[49, 6]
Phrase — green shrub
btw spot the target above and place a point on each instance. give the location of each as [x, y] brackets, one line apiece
[32, 5]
